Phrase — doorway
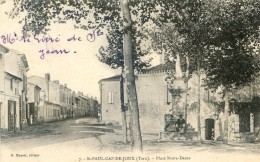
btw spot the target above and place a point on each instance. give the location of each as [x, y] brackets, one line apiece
[31, 113]
[11, 115]
[0, 114]
[209, 129]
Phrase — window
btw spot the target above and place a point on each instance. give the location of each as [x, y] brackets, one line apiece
[54, 113]
[11, 84]
[16, 91]
[110, 97]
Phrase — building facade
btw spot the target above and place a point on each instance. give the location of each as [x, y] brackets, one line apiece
[33, 103]
[52, 104]
[32, 100]
[57, 101]
[155, 100]
[13, 91]
[110, 99]
[83, 105]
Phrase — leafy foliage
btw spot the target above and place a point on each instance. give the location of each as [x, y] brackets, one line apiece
[87, 14]
[112, 55]
[232, 59]
[222, 36]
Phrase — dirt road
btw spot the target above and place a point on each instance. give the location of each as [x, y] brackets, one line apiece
[79, 140]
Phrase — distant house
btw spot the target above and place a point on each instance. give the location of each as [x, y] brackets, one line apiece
[86, 106]
[51, 101]
[83, 106]
[94, 107]
[55, 99]
[13, 81]
[33, 109]
[110, 99]
[155, 100]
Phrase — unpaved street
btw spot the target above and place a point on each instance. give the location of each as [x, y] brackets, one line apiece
[83, 139]
[55, 132]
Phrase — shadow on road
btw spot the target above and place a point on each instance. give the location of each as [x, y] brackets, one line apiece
[55, 132]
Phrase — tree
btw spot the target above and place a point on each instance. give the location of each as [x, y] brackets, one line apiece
[232, 57]
[221, 36]
[130, 78]
[94, 14]
[172, 45]
[186, 17]
[112, 55]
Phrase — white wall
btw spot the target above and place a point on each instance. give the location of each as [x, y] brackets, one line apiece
[111, 112]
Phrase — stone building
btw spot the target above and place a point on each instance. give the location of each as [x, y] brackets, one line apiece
[155, 100]
[110, 99]
[13, 91]
[93, 107]
[65, 101]
[55, 99]
[83, 105]
[33, 103]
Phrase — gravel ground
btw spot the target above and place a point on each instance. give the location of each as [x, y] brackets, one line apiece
[84, 137]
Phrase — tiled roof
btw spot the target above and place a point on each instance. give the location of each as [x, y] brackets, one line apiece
[159, 68]
[3, 49]
[162, 67]
[113, 78]
[13, 76]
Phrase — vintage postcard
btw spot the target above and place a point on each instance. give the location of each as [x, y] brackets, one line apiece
[129, 80]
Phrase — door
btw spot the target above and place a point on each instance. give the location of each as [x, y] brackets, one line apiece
[0, 114]
[244, 122]
[257, 123]
[11, 115]
[31, 113]
[209, 127]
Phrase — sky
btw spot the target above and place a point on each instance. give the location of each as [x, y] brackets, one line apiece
[79, 69]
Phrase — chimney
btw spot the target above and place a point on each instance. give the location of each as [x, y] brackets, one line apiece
[48, 76]
[65, 85]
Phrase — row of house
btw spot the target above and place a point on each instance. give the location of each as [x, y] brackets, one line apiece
[155, 101]
[50, 101]
[30, 100]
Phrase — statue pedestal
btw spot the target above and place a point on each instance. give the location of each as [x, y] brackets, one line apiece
[190, 134]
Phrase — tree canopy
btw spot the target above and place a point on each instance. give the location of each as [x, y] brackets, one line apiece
[221, 38]
[112, 54]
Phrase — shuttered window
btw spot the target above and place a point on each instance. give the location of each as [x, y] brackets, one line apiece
[110, 97]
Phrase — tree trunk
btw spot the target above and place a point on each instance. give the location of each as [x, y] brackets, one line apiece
[198, 109]
[136, 142]
[226, 109]
[123, 110]
[187, 88]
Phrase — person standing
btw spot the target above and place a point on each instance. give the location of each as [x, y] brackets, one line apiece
[180, 124]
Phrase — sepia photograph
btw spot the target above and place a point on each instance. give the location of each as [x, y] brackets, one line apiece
[129, 80]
